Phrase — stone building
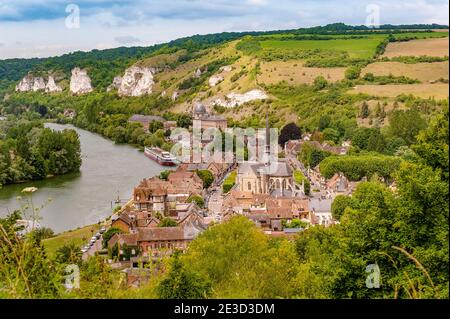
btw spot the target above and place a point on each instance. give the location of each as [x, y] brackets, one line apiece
[203, 120]
[275, 179]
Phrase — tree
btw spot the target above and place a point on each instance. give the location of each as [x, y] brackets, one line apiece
[108, 234]
[69, 254]
[184, 120]
[289, 132]
[120, 135]
[365, 112]
[164, 175]
[153, 126]
[340, 203]
[376, 142]
[324, 122]
[182, 283]
[42, 233]
[406, 124]
[432, 144]
[330, 134]
[197, 200]
[206, 176]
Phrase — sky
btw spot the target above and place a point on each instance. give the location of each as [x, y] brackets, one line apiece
[39, 28]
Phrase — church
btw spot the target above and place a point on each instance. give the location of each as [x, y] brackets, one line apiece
[271, 176]
[275, 179]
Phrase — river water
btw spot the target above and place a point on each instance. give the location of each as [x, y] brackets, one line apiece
[108, 171]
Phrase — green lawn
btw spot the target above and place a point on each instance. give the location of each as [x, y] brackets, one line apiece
[79, 236]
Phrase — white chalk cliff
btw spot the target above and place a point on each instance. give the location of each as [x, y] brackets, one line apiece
[26, 84]
[80, 82]
[237, 99]
[136, 81]
[39, 84]
[115, 85]
[51, 86]
[32, 83]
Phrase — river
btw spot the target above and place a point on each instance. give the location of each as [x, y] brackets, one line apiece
[108, 170]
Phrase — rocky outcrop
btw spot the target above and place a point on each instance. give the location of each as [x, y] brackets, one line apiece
[136, 81]
[217, 78]
[226, 68]
[51, 85]
[37, 83]
[237, 99]
[214, 80]
[198, 73]
[115, 85]
[26, 84]
[80, 82]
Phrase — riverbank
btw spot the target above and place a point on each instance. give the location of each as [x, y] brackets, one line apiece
[108, 171]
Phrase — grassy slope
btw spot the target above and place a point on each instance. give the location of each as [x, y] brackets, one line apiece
[78, 236]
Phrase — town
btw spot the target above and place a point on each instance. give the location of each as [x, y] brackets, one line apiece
[167, 212]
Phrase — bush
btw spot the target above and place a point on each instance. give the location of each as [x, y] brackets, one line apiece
[320, 83]
[352, 73]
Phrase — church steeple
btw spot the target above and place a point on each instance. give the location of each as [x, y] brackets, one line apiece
[267, 146]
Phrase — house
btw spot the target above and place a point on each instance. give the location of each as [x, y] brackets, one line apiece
[271, 214]
[145, 120]
[321, 211]
[124, 222]
[157, 195]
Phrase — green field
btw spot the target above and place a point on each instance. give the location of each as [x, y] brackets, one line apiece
[359, 48]
[356, 48]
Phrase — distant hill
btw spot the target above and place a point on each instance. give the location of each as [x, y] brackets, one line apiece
[109, 62]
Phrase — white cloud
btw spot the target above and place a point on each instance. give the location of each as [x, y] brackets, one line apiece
[107, 23]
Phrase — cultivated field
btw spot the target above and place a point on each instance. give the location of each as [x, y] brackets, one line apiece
[429, 47]
[424, 72]
[294, 72]
[438, 91]
[356, 48]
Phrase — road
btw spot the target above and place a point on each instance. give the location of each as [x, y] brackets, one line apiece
[92, 250]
